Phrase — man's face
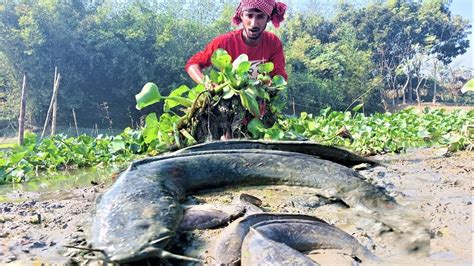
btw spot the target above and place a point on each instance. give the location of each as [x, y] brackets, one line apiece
[254, 22]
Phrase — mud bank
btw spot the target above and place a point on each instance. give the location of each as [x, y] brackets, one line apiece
[435, 189]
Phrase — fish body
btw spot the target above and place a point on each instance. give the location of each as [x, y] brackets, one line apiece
[135, 211]
[260, 250]
[227, 249]
[138, 215]
[208, 216]
[338, 155]
[305, 236]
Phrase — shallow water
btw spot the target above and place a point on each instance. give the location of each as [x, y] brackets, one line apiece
[50, 185]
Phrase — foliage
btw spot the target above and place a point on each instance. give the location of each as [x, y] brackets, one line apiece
[21, 163]
[329, 74]
[103, 49]
[380, 133]
[9, 98]
[469, 86]
[399, 31]
[228, 80]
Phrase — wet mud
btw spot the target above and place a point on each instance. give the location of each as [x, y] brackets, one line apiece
[435, 191]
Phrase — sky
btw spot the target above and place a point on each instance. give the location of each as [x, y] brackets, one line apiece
[465, 8]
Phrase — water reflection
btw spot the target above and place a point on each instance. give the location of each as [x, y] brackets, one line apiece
[48, 183]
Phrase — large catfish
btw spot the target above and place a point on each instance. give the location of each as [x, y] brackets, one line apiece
[138, 215]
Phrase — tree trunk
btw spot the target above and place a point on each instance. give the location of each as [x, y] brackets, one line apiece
[410, 90]
[418, 92]
[21, 119]
[397, 95]
[57, 77]
[294, 107]
[55, 108]
[404, 89]
[75, 121]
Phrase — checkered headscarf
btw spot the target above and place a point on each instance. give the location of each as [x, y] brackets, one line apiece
[275, 10]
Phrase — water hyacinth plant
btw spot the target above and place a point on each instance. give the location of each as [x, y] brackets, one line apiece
[226, 81]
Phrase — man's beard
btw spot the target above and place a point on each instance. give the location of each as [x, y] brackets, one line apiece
[253, 36]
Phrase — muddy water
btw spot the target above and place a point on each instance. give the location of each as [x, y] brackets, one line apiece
[54, 185]
[39, 217]
[439, 187]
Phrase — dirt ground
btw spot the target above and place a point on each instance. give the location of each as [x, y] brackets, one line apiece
[434, 186]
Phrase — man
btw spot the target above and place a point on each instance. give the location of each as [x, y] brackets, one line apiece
[252, 39]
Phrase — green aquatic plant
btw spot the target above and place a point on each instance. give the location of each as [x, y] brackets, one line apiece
[379, 133]
[376, 133]
[226, 81]
[20, 163]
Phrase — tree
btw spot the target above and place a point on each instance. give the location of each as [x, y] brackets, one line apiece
[326, 66]
[391, 31]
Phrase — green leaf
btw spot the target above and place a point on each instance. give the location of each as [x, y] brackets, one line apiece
[221, 59]
[265, 68]
[278, 81]
[194, 92]
[252, 91]
[357, 108]
[230, 76]
[243, 68]
[3, 161]
[180, 90]
[457, 145]
[469, 86]
[116, 145]
[148, 96]
[228, 92]
[150, 132]
[81, 149]
[274, 133]
[299, 129]
[214, 76]
[175, 99]
[17, 157]
[262, 93]
[241, 65]
[256, 128]
[250, 103]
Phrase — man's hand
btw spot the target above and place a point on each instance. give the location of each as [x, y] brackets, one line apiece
[266, 80]
[195, 72]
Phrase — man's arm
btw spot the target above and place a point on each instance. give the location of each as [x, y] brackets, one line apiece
[201, 60]
[195, 72]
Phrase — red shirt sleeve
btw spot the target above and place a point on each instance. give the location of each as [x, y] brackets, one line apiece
[203, 58]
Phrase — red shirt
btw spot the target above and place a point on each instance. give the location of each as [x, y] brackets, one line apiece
[269, 49]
